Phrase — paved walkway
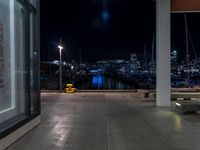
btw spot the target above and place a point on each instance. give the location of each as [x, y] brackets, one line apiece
[109, 121]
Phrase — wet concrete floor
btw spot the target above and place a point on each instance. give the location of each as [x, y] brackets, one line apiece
[110, 121]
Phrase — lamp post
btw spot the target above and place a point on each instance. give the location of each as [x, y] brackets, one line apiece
[60, 49]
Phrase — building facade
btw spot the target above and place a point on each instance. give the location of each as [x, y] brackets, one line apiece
[19, 69]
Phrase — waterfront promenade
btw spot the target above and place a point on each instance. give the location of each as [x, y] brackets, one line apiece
[110, 121]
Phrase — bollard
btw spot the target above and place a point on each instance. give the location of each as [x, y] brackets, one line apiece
[70, 88]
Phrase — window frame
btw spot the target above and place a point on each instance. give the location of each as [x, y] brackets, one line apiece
[20, 120]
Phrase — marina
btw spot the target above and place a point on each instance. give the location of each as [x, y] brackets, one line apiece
[118, 74]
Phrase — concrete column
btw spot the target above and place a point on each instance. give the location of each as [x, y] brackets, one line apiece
[163, 81]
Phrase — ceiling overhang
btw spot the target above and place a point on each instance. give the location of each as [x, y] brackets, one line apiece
[183, 6]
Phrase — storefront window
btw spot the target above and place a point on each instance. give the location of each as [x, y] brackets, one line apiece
[18, 62]
[34, 63]
[34, 2]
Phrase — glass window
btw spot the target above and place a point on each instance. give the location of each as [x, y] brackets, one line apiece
[12, 60]
[19, 57]
[5, 43]
[34, 64]
[34, 3]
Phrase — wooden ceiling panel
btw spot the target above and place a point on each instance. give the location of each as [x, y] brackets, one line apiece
[185, 5]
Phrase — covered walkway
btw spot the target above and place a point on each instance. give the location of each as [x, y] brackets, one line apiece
[110, 121]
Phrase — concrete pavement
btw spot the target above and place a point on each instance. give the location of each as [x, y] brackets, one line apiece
[110, 121]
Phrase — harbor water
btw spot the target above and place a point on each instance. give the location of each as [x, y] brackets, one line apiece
[103, 82]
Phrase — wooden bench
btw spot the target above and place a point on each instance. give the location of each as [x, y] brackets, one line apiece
[143, 93]
[186, 107]
[174, 96]
[184, 96]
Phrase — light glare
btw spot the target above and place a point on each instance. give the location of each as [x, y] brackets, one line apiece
[60, 47]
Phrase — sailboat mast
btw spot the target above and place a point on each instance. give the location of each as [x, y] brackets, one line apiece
[187, 44]
[145, 58]
[187, 48]
[152, 54]
[80, 57]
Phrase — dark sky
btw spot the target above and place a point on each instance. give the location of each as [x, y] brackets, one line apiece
[105, 29]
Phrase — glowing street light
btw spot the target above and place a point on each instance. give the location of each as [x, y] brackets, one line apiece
[60, 49]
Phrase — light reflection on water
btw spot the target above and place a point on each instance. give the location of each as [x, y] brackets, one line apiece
[102, 82]
[97, 81]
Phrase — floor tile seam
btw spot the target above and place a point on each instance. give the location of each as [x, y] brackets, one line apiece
[106, 121]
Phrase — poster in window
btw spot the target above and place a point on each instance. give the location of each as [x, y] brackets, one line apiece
[1, 56]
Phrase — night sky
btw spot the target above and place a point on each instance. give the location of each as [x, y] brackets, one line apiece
[107, 29]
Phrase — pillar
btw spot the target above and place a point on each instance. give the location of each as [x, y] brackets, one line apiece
[163, 81]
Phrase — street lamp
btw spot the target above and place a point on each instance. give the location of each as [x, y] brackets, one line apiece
[60, 49]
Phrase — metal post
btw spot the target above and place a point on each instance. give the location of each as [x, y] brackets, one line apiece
[60, 70]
